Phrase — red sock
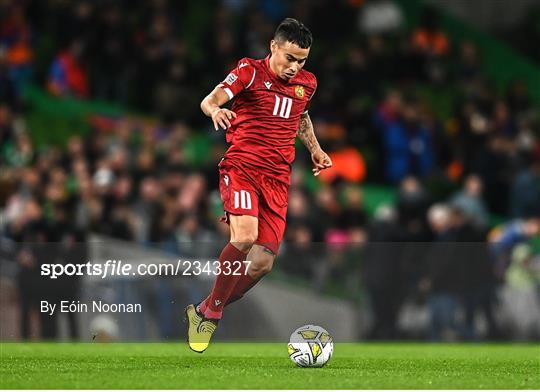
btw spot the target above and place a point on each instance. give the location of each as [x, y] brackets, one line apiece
[212, 306]
[244, 284]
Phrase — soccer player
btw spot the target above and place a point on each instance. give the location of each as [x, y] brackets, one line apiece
[270, 108]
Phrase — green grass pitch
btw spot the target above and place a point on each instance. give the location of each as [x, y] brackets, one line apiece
[266, 366]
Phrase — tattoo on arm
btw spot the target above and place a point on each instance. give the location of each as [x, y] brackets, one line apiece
[307, 134]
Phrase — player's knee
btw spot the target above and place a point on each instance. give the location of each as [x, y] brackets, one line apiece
[245, 239]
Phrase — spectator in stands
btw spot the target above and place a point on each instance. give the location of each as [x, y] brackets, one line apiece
[148, 211]
[71, 248]
[389, 110]
[300, 253]
[113, 55]
[332, 267]
[521, 292]
[430, 46]
[469, 200]
[79, 21]
[10, 97]
[21, 152]
[469, 67]
[172, 96]
[502, 239]
[192, 239]
[382, 273]
[443, 276]
[525, 189]
[16, 41]
[7, 134]
[327, 212]
[358, 68]
[89, 207]
[347, 164]
[518, 98]
[122, 223]
[428, 38]
[503, 123]
[412, 204]
[68, 75]
[494, 161]
[34, 236]
[298, 208]
[408, 146]
[381, 17]
[353, 213]
[474, 263]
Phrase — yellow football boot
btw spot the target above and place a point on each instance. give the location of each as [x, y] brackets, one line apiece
[200, 329]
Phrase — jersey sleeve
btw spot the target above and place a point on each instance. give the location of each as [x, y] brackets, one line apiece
[239, 79]
[308, 103]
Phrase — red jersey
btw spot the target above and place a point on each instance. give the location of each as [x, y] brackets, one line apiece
[268, 111]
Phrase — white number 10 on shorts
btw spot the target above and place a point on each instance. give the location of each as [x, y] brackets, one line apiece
[242, 200]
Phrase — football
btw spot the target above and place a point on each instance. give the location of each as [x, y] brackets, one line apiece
[310, 346]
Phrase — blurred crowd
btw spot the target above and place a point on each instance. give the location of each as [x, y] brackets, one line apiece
[525, 32]
[406, 108]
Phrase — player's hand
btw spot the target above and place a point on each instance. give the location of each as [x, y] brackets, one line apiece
[321, 161]
[222, 118]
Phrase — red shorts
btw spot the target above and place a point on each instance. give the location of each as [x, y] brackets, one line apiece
[248, 192]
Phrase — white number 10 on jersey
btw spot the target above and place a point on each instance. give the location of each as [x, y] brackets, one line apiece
[283, 106]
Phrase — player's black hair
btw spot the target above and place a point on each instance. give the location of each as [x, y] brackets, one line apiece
[295, 32]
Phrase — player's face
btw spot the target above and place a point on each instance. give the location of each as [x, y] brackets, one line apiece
[287, 59]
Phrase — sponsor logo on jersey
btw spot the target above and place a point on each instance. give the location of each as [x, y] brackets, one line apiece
[268, 85]
[231, 78]
[299, 91]
[242, 65]
[226, 179]
[217, 302]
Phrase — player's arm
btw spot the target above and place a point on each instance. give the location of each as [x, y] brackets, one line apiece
[211, 106]
[306, 133]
